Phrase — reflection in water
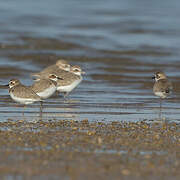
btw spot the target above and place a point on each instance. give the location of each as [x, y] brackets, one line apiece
[50, 110]
[121, 152]
[119, 44]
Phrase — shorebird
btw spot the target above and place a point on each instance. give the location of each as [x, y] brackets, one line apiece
[46, 87]
[162, 87]
[60, 67]
[70, 80]
[22, 94]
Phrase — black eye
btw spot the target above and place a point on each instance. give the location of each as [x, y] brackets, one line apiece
[76, 70]
[52, 76]
[157, 76]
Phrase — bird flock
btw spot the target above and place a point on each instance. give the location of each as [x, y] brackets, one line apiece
[63, 78]
[60, 77]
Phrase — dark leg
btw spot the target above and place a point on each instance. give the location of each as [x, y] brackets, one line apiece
[24, 109]
[66, 97]
[160, 108]
[66, 94]
[41, 107]
[57, 93]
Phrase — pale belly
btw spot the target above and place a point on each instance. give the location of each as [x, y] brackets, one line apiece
[23, 100]
[160, 94]
[70, 87]
[47, 92]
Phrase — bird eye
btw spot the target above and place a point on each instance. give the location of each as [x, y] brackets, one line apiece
[52, 76]
[157, 76]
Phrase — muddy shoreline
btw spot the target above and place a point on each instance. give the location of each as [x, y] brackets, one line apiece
[79, 150]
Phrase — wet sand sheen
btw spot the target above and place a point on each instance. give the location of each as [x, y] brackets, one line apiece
[52, 149]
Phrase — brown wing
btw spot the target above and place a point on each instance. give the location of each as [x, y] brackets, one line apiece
[42, 84]
[45, 72]
[24, 92]
[68, 79]
[55, 70]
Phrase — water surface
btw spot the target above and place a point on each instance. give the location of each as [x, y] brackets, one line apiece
[120, 44]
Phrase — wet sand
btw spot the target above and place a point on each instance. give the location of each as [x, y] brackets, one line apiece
[83, 150]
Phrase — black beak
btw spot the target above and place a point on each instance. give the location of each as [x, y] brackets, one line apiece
[59, 78]
[153, 77]
[4, 85]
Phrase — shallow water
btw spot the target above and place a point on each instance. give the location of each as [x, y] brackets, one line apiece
[120, 44]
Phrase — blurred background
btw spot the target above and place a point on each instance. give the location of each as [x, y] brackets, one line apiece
[119, 43]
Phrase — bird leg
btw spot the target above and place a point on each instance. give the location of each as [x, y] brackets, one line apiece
[57, 93]
[160, 108]
[66, 94]
[41, 107]
[24, 109]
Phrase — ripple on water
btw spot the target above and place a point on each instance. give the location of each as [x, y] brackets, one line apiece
[119, 48]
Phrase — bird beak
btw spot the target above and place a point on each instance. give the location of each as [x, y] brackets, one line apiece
[4, 85]
[153, 77]
[83, 72]
[59, 78]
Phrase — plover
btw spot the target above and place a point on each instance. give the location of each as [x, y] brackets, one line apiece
[70, 80]
[46, 87]
[60, 67]
[22, 94]
[162, 86]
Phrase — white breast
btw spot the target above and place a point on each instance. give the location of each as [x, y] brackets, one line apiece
[70, 87]
[160, 94]
[22, 100]
[47, 92]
